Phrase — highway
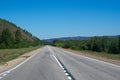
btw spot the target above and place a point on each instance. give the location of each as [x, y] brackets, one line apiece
[52, 63]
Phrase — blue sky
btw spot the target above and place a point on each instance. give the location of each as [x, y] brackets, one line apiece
[61, 18]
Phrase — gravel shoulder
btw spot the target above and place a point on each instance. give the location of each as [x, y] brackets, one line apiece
[116, 62]
[8, 65]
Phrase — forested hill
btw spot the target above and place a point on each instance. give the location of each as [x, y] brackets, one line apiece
[12, 36]
[108, 44]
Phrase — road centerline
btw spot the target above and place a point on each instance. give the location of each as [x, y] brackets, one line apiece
[66, 72]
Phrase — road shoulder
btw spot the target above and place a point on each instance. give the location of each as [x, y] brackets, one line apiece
[10, 64]
[116, 62]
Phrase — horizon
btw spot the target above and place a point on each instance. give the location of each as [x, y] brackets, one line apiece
[81, 36]
[64, 18]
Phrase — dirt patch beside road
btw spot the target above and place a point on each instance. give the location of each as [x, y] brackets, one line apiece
[84, 53]
[14, 62]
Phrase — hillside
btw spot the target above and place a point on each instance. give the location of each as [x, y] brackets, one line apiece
[12, 36]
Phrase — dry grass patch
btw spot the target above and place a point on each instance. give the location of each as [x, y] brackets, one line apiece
[9, 54]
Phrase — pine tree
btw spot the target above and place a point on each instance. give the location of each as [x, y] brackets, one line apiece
[18, 36]
[119, 43]
[7, 38]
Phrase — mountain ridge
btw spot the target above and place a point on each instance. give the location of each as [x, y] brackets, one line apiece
[76, 38]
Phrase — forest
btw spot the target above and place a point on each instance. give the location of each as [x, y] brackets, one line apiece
[12, 36]
[99, 44]
[7, 40]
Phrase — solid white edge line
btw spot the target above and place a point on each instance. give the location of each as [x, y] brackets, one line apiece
[92, 59]
[4, 74]
[8, 71]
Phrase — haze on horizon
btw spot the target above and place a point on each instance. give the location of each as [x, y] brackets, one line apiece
[64, 18]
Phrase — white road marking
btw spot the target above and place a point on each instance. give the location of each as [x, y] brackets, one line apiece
[58, 62]
[8, 71]
[64, 70]
[4, 74]
[0, 77]
[93, 59]
[66, 74]
[69, 77]
[56, 59]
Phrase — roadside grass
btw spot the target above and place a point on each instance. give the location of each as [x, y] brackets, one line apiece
[103, 54]
[97, 54]
[9, 54]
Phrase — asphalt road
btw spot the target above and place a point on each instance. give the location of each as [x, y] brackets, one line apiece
[56, 64]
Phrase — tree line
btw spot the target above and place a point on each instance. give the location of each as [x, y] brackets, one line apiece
[99, 44]
[8, 40]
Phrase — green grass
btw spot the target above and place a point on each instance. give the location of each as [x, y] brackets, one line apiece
[102, 54]
[9, 54]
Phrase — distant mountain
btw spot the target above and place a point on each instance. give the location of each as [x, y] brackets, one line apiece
[75, 38]
[67, 38]
[12, 34]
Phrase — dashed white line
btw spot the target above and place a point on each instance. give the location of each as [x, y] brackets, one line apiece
[58, 62]
[64, 70]
[66, 74]
[69, 77]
